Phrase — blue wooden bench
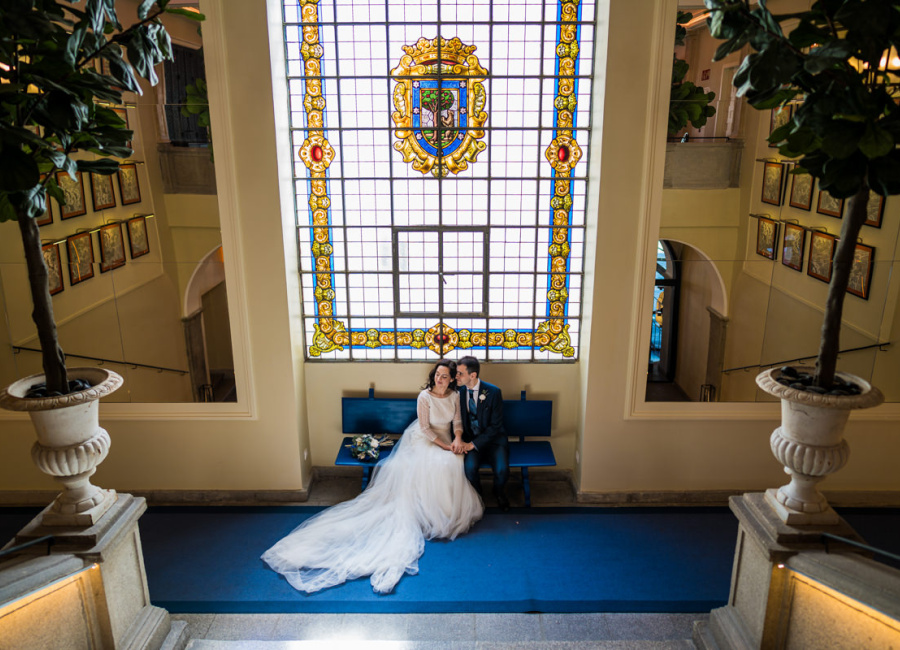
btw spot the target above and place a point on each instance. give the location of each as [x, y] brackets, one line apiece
[391, 415]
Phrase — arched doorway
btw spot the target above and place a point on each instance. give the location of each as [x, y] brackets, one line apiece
[207, 331]
[687, 326]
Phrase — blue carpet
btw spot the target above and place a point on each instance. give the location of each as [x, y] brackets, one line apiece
[204, 560]
[541, 560]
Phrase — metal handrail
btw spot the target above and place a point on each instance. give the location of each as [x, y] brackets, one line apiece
[844, 540]
[881, 347]
[50, 539]
[19, 348]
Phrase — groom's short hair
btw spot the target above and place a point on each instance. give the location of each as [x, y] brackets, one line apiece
[472, 365]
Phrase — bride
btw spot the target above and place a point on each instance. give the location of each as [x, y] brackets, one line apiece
[419, 492]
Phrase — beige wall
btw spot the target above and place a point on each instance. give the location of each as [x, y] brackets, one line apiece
[700, 288]
[255, 444]
[288, 406]
[194, 228]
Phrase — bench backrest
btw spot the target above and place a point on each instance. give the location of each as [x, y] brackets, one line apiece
[522, 418]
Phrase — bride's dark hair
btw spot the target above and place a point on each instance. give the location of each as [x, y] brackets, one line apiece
[450, 365]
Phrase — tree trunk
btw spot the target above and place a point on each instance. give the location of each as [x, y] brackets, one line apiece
[53, 357]
[830, 342]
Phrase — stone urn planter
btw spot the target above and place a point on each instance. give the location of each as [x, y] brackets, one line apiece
[70, 442]
[810, 444]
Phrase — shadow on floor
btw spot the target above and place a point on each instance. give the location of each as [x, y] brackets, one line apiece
[665, 391]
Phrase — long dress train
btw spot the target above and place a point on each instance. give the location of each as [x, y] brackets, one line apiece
[419, 492]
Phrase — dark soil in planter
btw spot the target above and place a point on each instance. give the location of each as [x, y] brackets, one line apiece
[804, 381]
[40, 390]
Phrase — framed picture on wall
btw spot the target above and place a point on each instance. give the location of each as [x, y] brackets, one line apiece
[861, 271]
[829, 205]
[821, 255]
[129, 188]
[112, 247]
[773, 176]
[792, 246]
[80, 251]
[875, 209]
[137, 236]
[779, 117]
[47, 218]
[54, 268]
[102, 193]
[123, 113]
[74, 193]
[767, 238]
[801, 191]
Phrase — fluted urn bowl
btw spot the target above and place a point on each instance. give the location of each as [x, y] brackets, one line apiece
[70, 442]
[810, 443]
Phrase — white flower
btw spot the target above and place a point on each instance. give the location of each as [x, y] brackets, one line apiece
[482, 397]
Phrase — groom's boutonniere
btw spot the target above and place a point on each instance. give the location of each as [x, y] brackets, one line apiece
[482, 396]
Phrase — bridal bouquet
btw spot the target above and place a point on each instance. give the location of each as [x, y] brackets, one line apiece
[367, 446]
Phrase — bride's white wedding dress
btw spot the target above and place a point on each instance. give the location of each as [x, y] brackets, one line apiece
[419, 492]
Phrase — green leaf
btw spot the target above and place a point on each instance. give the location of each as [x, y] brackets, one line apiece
[122, 72]
[18, 170]
[805, 34]
[144, 9]
[884, 174]
[96, 15]
[7, 212]
[731, 45]
[54, 190]
[778, 98]
[876, 142]
[193, 15]
[29, 203]
[105, 166]
[679, 70]
[74, 43]
[827, 56]
[842, 140]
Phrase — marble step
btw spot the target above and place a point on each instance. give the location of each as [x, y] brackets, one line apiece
[358, 644]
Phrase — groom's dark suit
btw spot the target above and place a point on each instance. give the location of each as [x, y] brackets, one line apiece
[488, 436]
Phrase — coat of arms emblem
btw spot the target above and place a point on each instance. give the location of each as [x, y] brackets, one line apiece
[439, 99]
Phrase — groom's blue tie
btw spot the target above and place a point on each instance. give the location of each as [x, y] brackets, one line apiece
[473, 411]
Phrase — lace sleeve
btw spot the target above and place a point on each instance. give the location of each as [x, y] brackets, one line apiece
[457, 419]
[423, 410]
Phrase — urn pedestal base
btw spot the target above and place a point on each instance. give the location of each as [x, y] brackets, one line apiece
[113, 544]
[827, 517]
[752, 619]
[57, 516]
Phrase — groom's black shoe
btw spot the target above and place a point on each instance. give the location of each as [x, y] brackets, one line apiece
[503, 502]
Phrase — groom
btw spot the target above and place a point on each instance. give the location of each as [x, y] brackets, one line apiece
[484, 438]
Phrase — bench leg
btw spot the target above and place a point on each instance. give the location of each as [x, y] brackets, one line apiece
[367, 474]
[526, 487]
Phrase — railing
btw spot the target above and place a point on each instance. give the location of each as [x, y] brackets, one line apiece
[49, 539]
[689, 138]
[843, 540]
[101, 361]
[881, 348]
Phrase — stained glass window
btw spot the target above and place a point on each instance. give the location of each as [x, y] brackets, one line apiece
[440, 172]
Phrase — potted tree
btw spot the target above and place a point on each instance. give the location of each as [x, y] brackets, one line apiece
[61, 68]
[688, 104]
[834, 67]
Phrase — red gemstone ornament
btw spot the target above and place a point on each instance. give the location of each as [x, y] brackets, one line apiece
[563, 154]
[440, 339]
[316, 153]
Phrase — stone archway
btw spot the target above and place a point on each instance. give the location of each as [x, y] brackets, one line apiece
[702, 308]
[208, 279]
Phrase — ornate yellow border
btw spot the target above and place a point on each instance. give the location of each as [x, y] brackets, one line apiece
[563, 154]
